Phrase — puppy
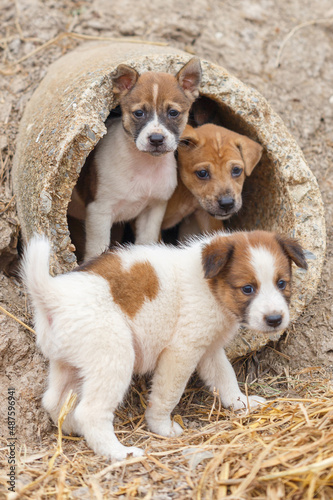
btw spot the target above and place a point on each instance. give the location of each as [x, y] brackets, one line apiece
[213, 163]
[154, 308]
[132, 172]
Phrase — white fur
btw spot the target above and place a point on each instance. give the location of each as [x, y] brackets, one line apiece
[94, 347]
[131, 184]
[269, 300]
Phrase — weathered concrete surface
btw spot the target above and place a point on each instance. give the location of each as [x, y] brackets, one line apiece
[65, 119]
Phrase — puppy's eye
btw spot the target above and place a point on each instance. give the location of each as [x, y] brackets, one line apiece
[202, 174]
[236, 171]
[248, 289]
[139, 113]
[173, 113]
[281, 284]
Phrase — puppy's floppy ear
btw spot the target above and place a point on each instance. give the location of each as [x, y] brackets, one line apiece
[189, 138]
[124, 79]
[216, 255]
[293, 250]
[250, 151]
[189, 78]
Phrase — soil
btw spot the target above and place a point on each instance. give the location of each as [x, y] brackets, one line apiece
[283, 49]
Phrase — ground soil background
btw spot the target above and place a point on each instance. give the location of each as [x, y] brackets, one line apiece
[245, 37]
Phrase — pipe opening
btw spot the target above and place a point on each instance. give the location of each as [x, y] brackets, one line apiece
[260, 185]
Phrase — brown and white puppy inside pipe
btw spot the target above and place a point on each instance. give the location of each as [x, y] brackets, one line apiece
[132, 172]
[213, 163]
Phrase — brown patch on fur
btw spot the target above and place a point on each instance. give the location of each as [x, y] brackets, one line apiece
[293, 250]
[227, 266]
[129, 288]
[177, 91]
[282, 261]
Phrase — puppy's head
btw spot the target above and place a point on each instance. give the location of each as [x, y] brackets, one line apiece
[155, 106]
[213, 163]
[250, 276]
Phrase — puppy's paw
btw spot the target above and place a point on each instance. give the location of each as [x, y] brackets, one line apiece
[122, 452]
[164, 427]
[176, 430]
[134, 451]
[255, 401]
[241, 403]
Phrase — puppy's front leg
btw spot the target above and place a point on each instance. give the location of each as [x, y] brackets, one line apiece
[98, 226]
[216, 371]
[148, 223]
[171, 375]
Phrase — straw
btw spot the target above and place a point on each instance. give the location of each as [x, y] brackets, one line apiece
[282, 450]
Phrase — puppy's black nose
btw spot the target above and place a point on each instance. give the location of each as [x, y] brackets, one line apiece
[274, 320]
[226, 203]
[156, 139]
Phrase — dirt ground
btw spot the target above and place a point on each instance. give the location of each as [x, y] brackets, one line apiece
[283, 49]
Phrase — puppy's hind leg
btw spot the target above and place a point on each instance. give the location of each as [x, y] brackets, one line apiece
[107, 361]
[62, 378]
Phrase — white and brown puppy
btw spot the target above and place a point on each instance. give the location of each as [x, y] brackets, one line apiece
[213, 163]
[167, 310]
[132, 172]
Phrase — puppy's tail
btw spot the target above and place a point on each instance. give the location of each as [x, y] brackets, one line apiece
[35, 270]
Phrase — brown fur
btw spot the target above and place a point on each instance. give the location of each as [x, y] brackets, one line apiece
[227, 266]
[218, 150]
[129, 288]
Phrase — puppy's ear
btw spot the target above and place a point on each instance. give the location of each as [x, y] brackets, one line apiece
[189, 78]
[250, 151]
[189, 138]
[124, 79]
[216, 255]
[293, 250]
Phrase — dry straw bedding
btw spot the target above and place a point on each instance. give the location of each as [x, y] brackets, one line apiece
[284, 450]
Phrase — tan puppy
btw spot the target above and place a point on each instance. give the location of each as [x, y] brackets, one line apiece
[213, 163]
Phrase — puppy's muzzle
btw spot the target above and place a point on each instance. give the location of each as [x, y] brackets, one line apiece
[226, 203]
[156, 140]
[274, 320]
[224, 208]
